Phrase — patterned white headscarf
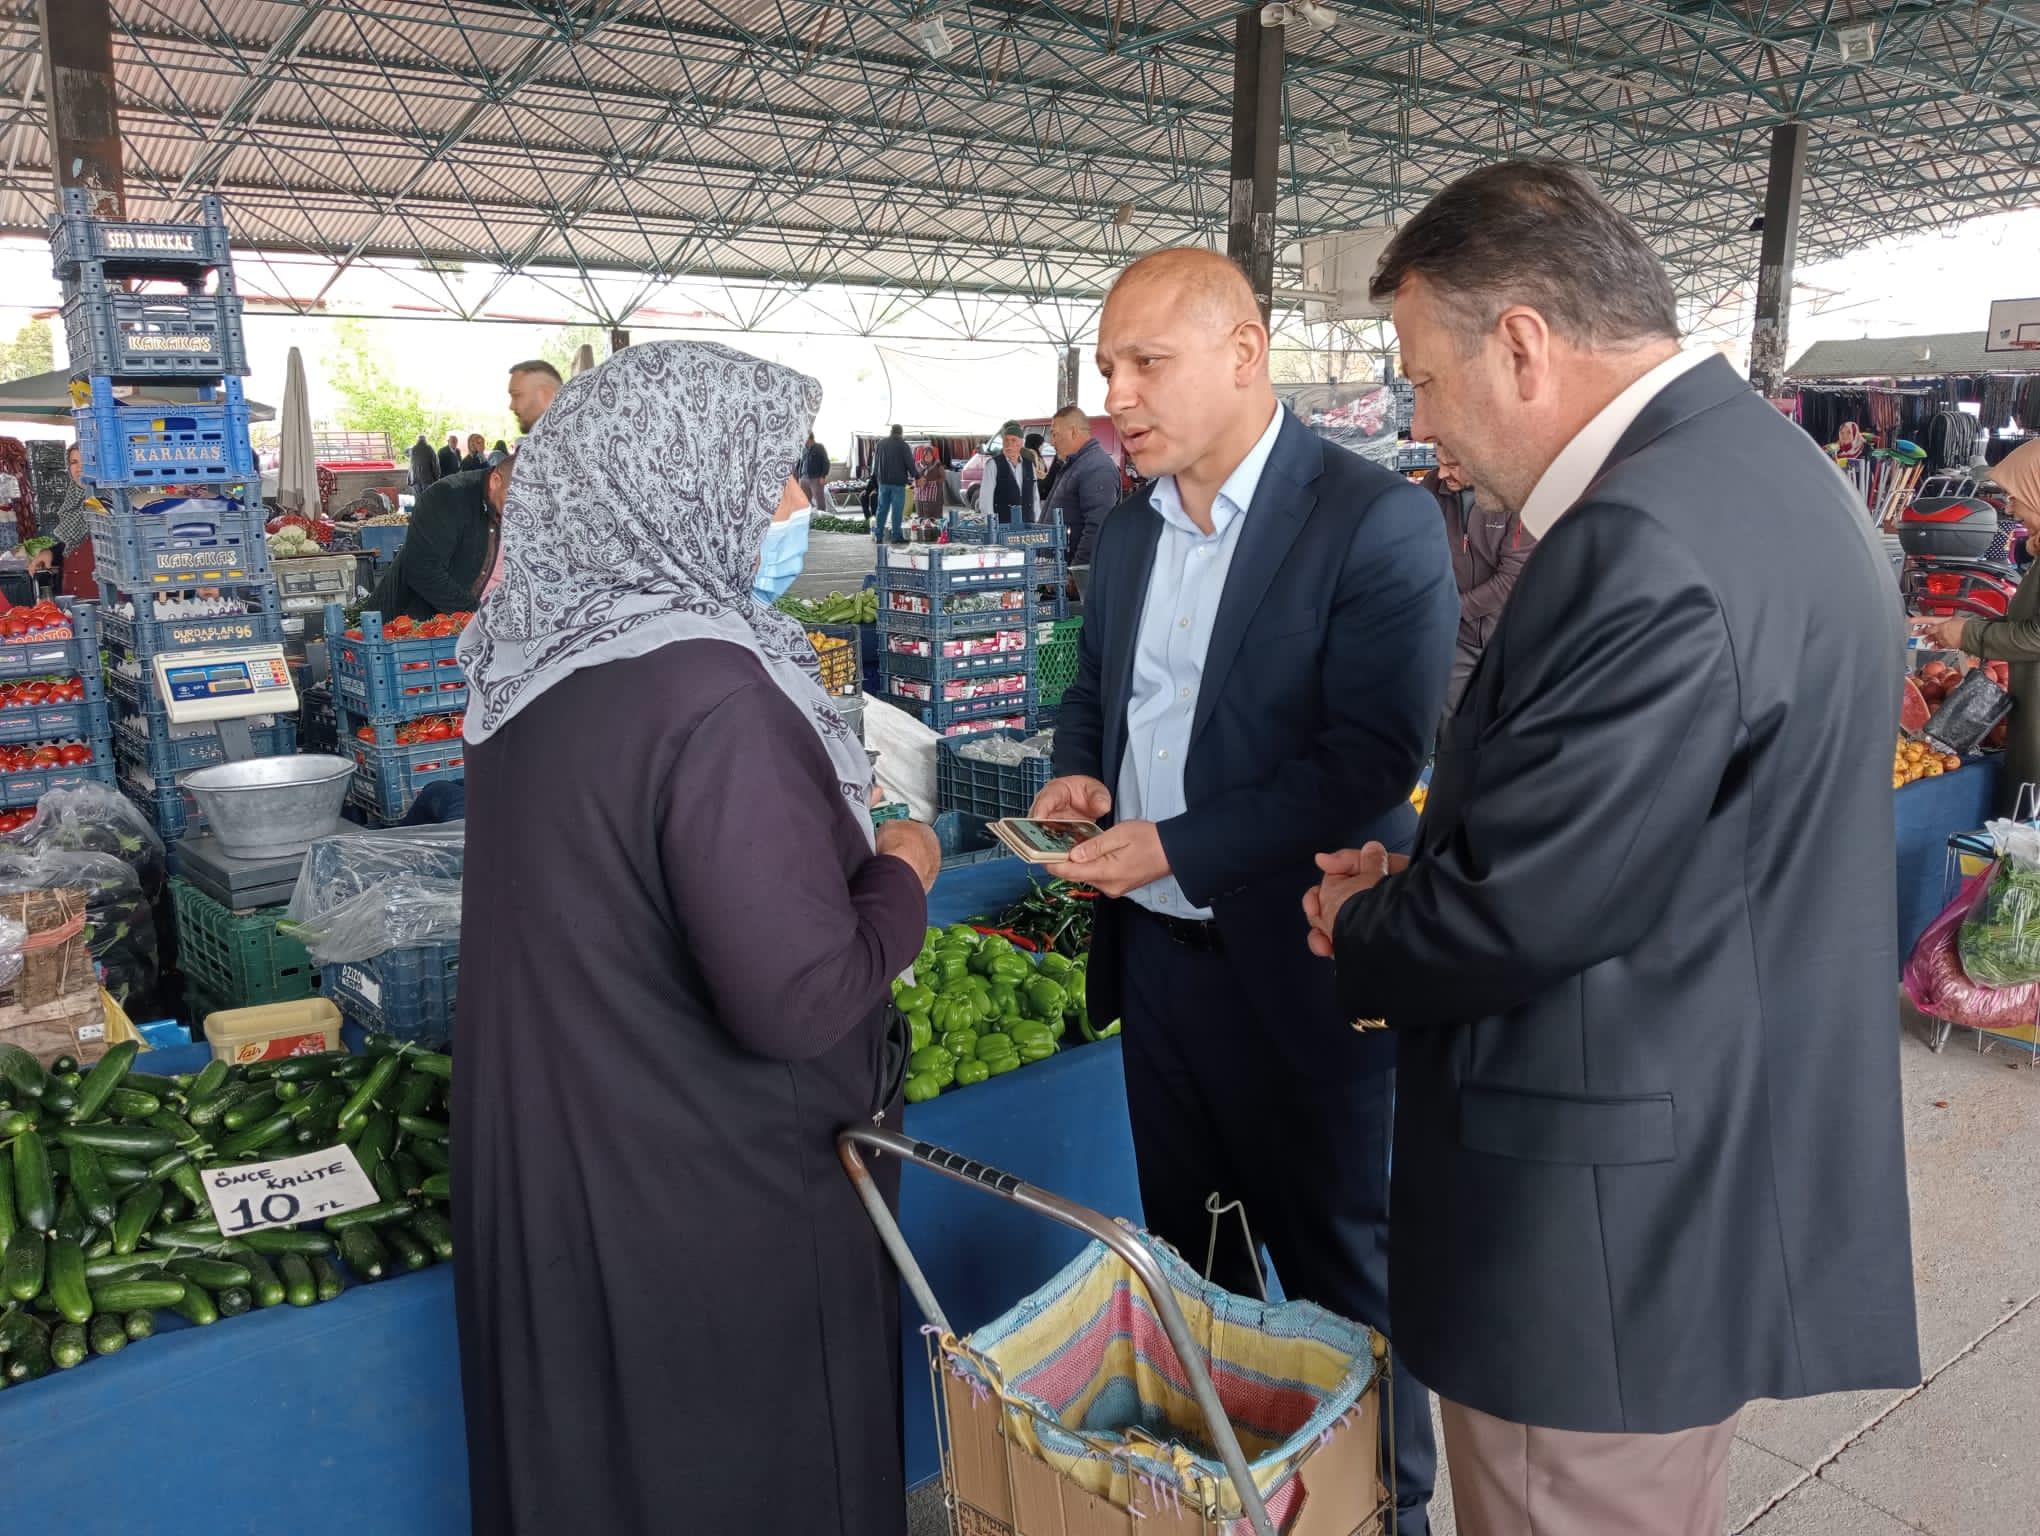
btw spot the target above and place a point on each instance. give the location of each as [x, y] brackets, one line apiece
[634, 520]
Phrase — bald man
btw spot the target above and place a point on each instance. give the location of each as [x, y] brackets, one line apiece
[1268, 634]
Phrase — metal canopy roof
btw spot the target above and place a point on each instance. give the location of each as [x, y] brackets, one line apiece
[816, 141]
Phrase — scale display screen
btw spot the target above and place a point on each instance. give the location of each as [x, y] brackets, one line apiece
[225, 684]
[221, 679]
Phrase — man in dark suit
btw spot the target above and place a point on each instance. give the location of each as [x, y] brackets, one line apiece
[1269, 630]
[1649, 1162]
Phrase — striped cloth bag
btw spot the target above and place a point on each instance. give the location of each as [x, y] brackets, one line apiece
[1091, 1386]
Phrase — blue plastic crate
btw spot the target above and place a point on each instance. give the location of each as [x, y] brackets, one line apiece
[407, 993]
[990, 790]
[150, 445]
[144, 637]
[24, 789]
[185, 250]
[57, 654]
[381, 680]
[144, 744]
[25, 723]
[942, 714]
[191, 542]
[148, 335]
[1042, 538]
[941, 669]
[387, 777]
[967, 839]
[382, 540]
[170, 809]
[943, 582]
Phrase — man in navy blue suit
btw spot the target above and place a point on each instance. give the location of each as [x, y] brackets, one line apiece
[1269, 630]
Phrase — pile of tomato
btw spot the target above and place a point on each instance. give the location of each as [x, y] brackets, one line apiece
[427, 728]
[18, 624]
[50, 754]
[35, 691]
[444, 627]
[14, 821]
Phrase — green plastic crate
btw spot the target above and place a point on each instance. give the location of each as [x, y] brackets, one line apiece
[1055, 663]
[239, 959]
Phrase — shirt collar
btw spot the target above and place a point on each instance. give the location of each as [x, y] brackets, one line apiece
[1566, 481]
[1234, 497]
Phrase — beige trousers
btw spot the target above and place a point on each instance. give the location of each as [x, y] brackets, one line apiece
[1519, 1480]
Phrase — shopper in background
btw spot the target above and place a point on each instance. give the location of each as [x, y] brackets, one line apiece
[498, 453]
[424, 465]
[1086, 482]
[1031, 445]
[477, 452]
[675, 994]
[449, 548]
[1649, 1160]
[71, 555]
[814, 474]
[1488, 547]
[931, 486]
[532, 387]
[449, 455]
[2014, 638]
[892, 467]
[1008, 490]
[1230, 711]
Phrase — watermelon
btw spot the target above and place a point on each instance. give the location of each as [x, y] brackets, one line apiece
[1913, 713]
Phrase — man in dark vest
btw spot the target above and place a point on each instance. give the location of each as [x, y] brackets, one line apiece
[1008, 491]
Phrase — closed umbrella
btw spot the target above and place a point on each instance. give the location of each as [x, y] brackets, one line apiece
[297, 476]
[585, 358]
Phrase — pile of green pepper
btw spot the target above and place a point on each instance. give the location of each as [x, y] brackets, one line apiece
[978, 1007]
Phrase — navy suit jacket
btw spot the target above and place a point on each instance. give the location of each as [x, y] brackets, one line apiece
[1321, 692]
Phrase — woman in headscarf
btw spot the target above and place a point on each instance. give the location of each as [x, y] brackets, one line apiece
[2016, 637]
[678, 937]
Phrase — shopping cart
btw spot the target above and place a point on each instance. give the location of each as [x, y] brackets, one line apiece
[1015, 1466]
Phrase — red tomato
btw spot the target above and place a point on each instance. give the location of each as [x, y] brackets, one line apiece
[49, 757]
[438, 730]
[75, 754]
[366, 733]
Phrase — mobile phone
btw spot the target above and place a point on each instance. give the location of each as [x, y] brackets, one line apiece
[1044, 842]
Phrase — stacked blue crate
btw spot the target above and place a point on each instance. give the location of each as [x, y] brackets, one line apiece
[177, 519]
[956, 635]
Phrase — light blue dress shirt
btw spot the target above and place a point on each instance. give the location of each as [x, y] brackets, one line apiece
[1183, 594]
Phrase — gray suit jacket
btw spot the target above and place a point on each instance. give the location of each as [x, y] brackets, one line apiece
[1649, 1161]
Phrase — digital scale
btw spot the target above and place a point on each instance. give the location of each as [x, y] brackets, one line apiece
[224, 688]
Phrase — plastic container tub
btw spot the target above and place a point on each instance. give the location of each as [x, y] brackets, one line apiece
[272, 1031]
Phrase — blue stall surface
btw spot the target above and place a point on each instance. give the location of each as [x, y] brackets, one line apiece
[1927, 814]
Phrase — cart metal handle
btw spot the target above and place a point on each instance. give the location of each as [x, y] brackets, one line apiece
[1119, 1239]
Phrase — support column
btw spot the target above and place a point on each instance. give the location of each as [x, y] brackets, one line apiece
[1066, 378]
[619, 338]
[1774, 265]
[1256, 147]
[77, 42]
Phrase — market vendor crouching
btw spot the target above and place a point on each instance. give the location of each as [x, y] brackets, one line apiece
[2014, 638]
[449, 548]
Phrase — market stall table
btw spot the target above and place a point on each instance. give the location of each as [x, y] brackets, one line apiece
[1927, 814]
[348, 1414]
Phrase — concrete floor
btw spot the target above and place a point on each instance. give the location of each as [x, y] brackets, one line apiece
[1960, 1454]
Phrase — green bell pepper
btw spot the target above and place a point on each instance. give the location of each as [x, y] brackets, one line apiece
[1055, 967]
[961, 1043]
[999, 1066]
[920, 1033]
[911, 999]
[920, 1088]
[1037, 1050]
[933, 1062]
[1012, 968]
[952, 1011]
[971, 1072]
[994, 1045]
[1045, 998]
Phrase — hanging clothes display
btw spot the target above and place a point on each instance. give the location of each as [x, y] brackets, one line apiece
[17, 495]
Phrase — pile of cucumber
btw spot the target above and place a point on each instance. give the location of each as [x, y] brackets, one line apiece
[104, 1220]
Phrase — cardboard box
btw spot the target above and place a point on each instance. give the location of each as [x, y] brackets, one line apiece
[72, 1025]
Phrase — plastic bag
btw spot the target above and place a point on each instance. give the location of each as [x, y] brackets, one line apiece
[1941, 989]
[402, 912]
[341, 867]
[1969, 714]
[13, 945]
[2000, 941]
[94, 818]
[120, 922]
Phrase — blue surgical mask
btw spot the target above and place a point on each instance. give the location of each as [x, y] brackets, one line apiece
[781, 558]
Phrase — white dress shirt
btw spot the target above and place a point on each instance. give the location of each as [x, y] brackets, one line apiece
[1183, 594]
[1566, 481]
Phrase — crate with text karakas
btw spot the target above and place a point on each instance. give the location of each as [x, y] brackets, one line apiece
[384, 672]
[203, 442]
[161, 336]
[146, 541]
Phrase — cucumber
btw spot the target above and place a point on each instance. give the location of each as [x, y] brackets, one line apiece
[8, 1220]
[62, 1065]
[277, 1241]
[387, 1185]
[369, 1215]
[286, 1090]
[434, 1231]
[364, 1253]
[377, 1140]
[15, 1325]
[104, 1078]
[195, 1306]
[134, 1140]
[370, 1086]
[107, 1335]
[175, 1206]
[162, 1087]
[126, 1103]
[122, 1266]
[419, 1125]
[322, 1100]
[15, 1121]
[233, 1301]
[59, 1099]
[354, 1069]
[133, 1295]
[22, 1072]
[412, 1253]
[415, 1093]
[71, 1221]
[435, 1063]
[21, 1271]
[242, 1113]
[139, 1324]
[298, 1288]
[31, 1357]
[97, 1243]
[35, 1192]
[136, 1211]
[431, 1155]
[95, 1193]
[209, 1113]
[208, 1082]
[326, 1274]
[410, 1174]
[213, 1274]
[68, 1347]
[319, 1064]
[67, 1281]
[185, 1134]
[256, 1137]
[351, 1128]
[123, 1172]
[189, 1185]
[263, 1283]
[437, 1186]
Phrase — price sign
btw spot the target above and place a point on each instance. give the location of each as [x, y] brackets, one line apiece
[308, 1187]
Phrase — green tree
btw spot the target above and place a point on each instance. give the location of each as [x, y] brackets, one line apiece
[32, 351]
[372, 399]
